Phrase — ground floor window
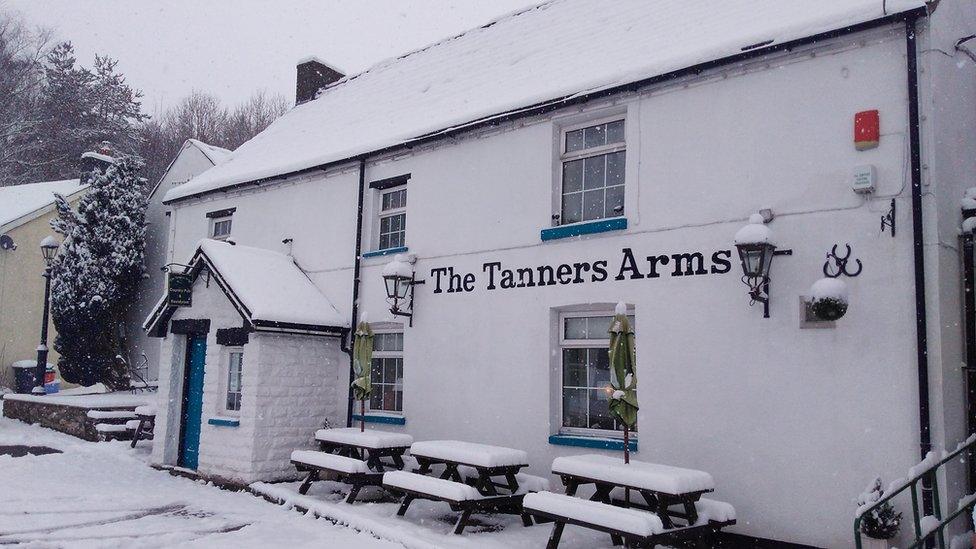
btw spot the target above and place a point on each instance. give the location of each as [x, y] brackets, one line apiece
[235, 367]
[386, 373]
[584, 340]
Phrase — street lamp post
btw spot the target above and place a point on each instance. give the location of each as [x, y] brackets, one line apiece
[49, 249]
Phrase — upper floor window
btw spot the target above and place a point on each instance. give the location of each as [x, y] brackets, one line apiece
[393, 218]
[235, 385]
[592, 184]
[584, 340]
[220, 223]
[386, 372]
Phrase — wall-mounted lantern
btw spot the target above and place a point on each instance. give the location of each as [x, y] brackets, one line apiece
[400, 279]
[756, 251]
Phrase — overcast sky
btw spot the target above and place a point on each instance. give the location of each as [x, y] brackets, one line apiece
[233, 47]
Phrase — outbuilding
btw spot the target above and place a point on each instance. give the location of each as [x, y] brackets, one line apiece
[577, 154]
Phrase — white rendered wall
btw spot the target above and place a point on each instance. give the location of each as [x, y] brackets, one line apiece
[791, 422]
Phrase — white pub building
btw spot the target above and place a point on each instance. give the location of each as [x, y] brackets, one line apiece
[533, 172]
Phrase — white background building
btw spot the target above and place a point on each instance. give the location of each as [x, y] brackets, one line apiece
[693, 118]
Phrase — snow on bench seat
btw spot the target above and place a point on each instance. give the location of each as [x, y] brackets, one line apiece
[715, 511]
[432, 486]
[470, 453]
[330, 462]
[147, 410]
[111, 414]
[636, 474]
[631, 521]
[132, 424]
[110, 428]
[369, 438]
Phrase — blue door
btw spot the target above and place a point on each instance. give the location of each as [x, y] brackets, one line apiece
[196, 354]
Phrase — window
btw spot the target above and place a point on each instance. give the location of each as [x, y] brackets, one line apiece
[220, 227]
[386, 373]
[584, 340]
[593, 159]
[393, 218]
[235, 365]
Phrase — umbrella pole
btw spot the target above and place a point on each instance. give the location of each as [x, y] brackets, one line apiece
[626, 444]
[362, 415]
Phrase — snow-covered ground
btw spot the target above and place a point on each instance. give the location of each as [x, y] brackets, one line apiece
[105, 495]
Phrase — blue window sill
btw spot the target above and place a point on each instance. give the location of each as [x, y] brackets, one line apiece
[388, 251]
[224, 422]
[590, 227]
[378, 418]
[592, 442]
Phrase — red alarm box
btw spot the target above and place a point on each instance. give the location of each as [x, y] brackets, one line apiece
[867, 130]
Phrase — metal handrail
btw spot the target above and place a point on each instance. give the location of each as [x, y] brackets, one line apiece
[912, 484]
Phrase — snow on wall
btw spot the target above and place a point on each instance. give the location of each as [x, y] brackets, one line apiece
[518, 61]
[768, 409]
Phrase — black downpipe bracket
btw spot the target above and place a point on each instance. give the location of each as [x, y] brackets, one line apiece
[921, 334]
[355, 284]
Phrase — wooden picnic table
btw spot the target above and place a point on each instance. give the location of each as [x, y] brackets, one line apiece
[489, 462]
[370, 445]
[661, 486]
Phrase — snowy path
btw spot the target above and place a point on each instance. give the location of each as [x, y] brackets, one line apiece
[104, 495]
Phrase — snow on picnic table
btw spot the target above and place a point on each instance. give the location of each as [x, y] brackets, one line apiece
[636, 474]
[470, 453]
[105, 495]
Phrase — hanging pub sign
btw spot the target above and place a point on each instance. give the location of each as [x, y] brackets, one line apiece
[180, 293]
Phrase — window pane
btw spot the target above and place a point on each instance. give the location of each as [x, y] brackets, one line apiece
[384, 225]
[615, 201]
[598, 327]
[593, 205]
[575, 328]
[385, 241]
[376, 371]
[572, 208]
[594, 172]
[600, 417]
[399, 401]
[376, 399]
[386, 201]
[390, 370]
[572, 176]
[595, 136]
[574, 140]
[574, 408]
[574, 367]
[396, 341]
[615, 132]
[615, 168]
[598, 365]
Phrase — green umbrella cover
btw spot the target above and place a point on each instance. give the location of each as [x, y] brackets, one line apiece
[362, 352]
[623, 378]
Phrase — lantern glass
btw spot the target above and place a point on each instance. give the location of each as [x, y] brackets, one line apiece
[391, 284]
[49, 251]
[756, 259]
[402, 287]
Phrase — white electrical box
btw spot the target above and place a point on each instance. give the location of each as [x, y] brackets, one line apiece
[863, 180]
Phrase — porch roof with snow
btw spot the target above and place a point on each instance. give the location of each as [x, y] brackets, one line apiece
[267, 288]
[544, 56]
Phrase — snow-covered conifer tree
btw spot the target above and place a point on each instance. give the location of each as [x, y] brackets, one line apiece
[96, 274]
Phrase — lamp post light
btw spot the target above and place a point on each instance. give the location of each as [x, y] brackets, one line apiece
[49, 249]
[756, 251]
[400, 279]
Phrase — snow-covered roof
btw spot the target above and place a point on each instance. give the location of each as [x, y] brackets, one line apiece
[545, 53]
[215, 154]
[269, 290]
[21, 203]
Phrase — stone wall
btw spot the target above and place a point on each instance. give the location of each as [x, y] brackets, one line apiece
[72, 420]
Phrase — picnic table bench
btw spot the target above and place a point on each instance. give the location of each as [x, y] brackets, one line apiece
[475, 478]
[142, 428]
[352, 457]
[662, 487]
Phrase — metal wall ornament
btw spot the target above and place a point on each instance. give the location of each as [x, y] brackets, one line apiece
[839, 266]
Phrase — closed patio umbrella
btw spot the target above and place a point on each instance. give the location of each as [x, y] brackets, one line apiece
[623, 378]
[362, 353]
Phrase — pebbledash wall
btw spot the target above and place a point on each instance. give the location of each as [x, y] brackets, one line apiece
[792, 422]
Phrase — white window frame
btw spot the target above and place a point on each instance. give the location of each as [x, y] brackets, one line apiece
[388, 354]
[213, 227]
[382, 214]
[228, 352]
[565, 343]
[565, 157]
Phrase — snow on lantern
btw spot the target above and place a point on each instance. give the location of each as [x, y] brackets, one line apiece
[756, 251]
[399, 278]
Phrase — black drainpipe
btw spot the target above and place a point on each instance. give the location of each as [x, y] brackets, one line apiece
[969, 305]
[355, 284]
[921, 335]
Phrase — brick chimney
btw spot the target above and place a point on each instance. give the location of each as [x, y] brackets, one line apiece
[101, 160]
[313, 75]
